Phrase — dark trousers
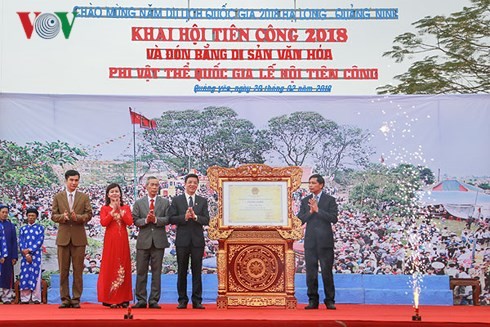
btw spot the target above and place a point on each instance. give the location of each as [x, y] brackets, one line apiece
[325, 257]
[154, 257]
[195, 254]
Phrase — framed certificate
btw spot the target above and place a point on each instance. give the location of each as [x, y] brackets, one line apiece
[255, 203]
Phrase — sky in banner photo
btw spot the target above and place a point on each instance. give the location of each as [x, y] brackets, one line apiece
[442, 132]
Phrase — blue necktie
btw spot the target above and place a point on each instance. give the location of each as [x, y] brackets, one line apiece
[191, 202]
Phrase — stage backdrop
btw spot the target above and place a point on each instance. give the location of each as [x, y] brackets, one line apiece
[366, 146]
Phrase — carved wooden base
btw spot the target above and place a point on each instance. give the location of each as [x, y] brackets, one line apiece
[259, 271]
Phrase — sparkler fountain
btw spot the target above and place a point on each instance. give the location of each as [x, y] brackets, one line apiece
[416, 294]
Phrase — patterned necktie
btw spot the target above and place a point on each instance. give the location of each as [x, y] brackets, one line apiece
[152, 204]
[191, 202]
[70, 200]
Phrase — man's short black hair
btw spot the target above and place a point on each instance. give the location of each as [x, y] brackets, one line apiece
[32, 210]
[319, 178]
[191, 176]
[70, 173]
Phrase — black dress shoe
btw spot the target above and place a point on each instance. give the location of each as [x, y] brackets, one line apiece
[154, 306]
[330, 306]
[75, 305]
[139, 305]
[198, 306]
[64, 305]
[182, 305]
[311, 305]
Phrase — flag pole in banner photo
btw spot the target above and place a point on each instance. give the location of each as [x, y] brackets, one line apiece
[143, 122]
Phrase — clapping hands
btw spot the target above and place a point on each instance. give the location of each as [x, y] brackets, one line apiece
[69, 215]
[151, 218]
[190, 214]
[116, 212]
[313, 205]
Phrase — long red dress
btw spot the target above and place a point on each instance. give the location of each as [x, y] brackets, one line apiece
[114, 285]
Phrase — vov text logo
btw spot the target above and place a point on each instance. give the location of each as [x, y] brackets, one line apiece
[46, 25]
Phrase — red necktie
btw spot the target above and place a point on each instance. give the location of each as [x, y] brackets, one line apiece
[152, 204]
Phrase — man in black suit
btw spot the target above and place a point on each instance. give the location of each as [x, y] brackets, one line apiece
[190, 213]
[319, 211]
[150, 215]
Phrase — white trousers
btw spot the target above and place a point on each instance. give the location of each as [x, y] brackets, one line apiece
[28, 295]
[6, 294]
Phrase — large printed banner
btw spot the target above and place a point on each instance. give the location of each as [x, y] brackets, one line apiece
[197, 47]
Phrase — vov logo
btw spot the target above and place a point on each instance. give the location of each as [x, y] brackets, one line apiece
[46, 25]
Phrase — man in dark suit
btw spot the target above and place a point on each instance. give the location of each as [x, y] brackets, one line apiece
[319, 211]
[150, 215]
[71, 210]
[190, 213]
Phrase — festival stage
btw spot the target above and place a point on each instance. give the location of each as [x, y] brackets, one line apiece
[346, 315]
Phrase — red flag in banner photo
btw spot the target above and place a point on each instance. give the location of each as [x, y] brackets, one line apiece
[135, 118]
[147, 123]
[141, 120]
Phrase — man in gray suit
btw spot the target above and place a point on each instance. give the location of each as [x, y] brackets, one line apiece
[150, 215]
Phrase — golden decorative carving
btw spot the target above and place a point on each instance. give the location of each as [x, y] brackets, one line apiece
[254, 172]
[263, 234]
[296, 233]
[233, 286]
[278, 287]
[233, 248]
[290, 264]
[221, 262]
[221, 302]
[215, 233]
[278, 250]
[256, 301]
[291, 304]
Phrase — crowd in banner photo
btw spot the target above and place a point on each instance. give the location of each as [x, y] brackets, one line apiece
[365, 244]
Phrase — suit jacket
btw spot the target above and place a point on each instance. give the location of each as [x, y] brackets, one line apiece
[190, 232]
[151, 233]
[70, 230]
[7, 269]
[319, 224]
